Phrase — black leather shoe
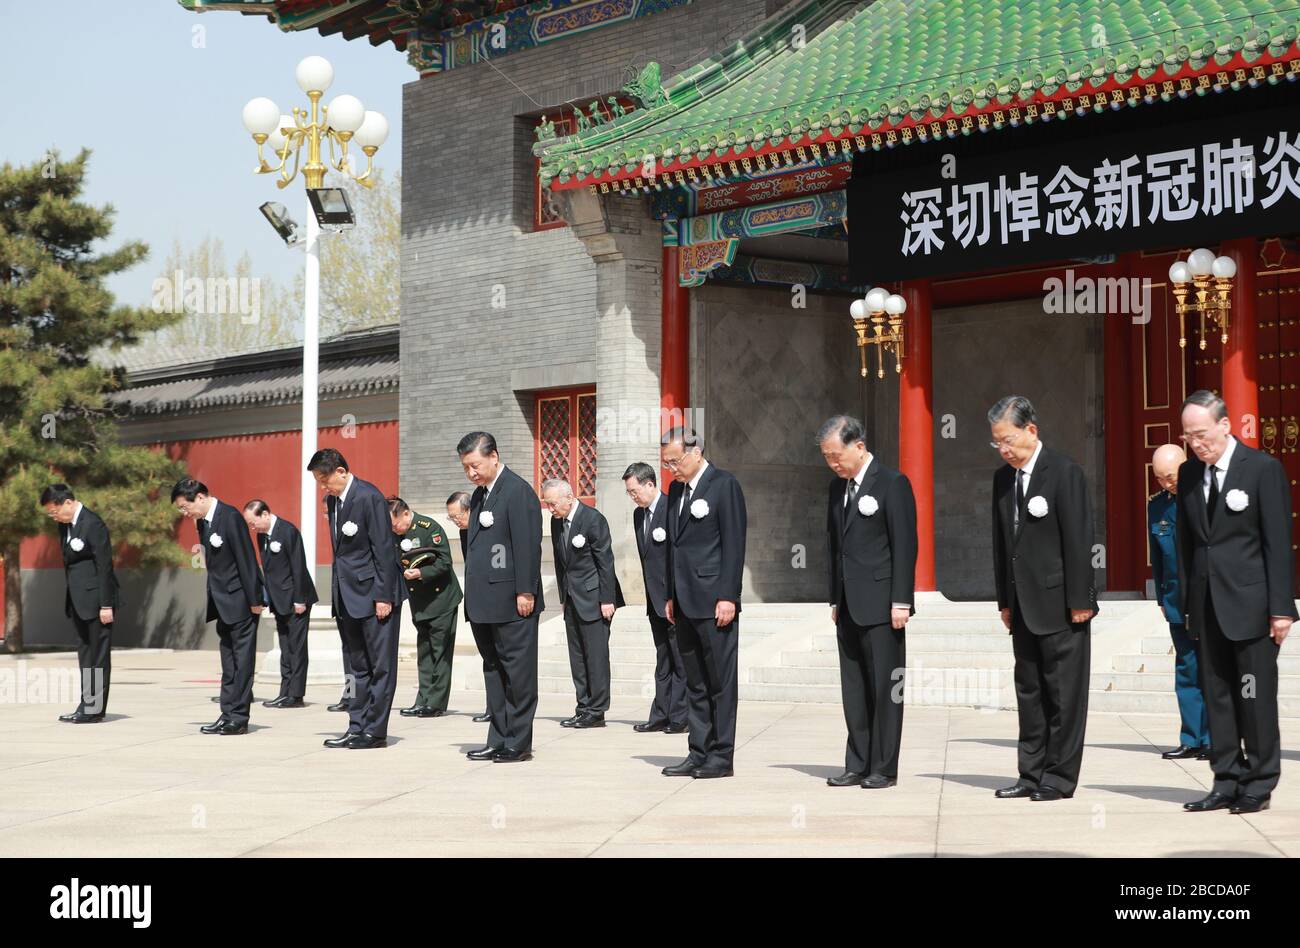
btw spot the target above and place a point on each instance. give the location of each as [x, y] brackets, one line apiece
[570, 722]
[342, 741]
[508, 756]
[675, 729]
[230, 730]
[1181, 752]
[483, 718]
[846, 779]
[70, 717]
[1215, 801]
[1047, 793]
[215, 726]
[589, 721]
[294, 703]
[686, 768]
[710, 773]
[1012, 793]
[341, 706]
[649, 726]
[878, 782]
[412, 712]
[367, 741]
[422, 712]
[1248, 803]
[1204, 754]
[275, 702]
[484, 753]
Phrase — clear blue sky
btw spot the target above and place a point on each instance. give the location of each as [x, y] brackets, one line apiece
[162, 116]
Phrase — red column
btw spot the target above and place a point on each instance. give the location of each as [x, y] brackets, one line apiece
[916, 424]
[1124, 473]
[675, 349]
[1241, 353]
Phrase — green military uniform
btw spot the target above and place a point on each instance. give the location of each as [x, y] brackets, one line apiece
[434, 604]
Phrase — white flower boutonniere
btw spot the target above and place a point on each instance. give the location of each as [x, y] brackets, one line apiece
[699, 509]
[215, 540]
[579, 541]
[485, 519]
[76, 544]
[1237, 500]
[1038, 506]
[407, 545]
[349, 529]
[659, 535]
[867, 505]
[275, 546]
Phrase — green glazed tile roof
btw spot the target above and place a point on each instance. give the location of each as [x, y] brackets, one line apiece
[868, 68]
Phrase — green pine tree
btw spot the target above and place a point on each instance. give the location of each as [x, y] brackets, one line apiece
[56, 420]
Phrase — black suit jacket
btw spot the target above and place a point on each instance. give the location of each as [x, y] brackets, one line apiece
[92, 584]
[365, 563]
[1044, 567]
[235, 583]
[1245, 557]
[287, 578]
[585, 574]
[873, 559]
[706, 555]
[503, 560]
[654, 556]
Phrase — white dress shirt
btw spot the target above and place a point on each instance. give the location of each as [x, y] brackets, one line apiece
[1221, 466]
[694, 483]
[1028, 472]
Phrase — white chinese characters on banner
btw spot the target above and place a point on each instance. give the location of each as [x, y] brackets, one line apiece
[1168, 187]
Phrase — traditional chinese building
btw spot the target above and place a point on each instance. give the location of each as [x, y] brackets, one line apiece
[616, 209]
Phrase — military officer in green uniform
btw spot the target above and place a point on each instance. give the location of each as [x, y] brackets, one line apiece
[425, 558]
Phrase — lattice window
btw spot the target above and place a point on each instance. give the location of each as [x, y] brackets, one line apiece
[553, 424]
[587, 445]
[566, 440]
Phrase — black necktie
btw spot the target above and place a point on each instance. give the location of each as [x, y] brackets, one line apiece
[1020, 494]
[645, 527]
[850, 496]
[1213, 500]
[686, 503]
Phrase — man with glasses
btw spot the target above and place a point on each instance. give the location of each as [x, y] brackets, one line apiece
[1042, 563]
[706, 562]
[1234, 540]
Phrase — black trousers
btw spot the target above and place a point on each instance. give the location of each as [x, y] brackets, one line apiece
[292, 630]
[588, 660]
[1239, 681]
[509, 651]
[1052, 699]
[370, 655]
[670, 675]
[95, 658]
[238, 658]
[873, 662]
[710, 656]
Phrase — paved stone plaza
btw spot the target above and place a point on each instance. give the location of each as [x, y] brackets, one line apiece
[147, 783]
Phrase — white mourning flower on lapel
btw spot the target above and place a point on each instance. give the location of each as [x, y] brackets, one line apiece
[1237, 500]
[659, 535]
[867, 505]
[579, 541]
[76, 544]
[215, 540]
[485, 519]
[275, 546]
[407, 545]
[1037, 506]
[349, 529]
[699, 509]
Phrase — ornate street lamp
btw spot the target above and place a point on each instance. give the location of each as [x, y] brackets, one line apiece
[342, 122]
[879, 306]
[1201, 266]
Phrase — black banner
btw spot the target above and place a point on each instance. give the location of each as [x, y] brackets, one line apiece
[1171, 185]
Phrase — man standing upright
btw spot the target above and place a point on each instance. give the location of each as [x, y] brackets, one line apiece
[649, 520]
[589, 592]
[367, 596]
[503, 594]
[425, 557]
[707, 527]
[1042, 564]
[1162, 519]
[236, 597]
[90, 598]
[871, 532]
[1234, 545]
[290, 591]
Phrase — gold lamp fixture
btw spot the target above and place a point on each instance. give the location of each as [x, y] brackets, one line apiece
[878, 321]
[342, 121]
[1213, 299]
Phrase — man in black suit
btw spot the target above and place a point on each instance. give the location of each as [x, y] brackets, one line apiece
[1238, 583]
[706, 562]
[503, 594]
[871, 533]
[291, 592]
[458, 513]
[236, 597]
[366, 595]
[90, 598]
[1042, 564]
[589, 592]
[649, 521]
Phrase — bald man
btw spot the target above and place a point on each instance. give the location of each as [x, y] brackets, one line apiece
[1162, 515]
